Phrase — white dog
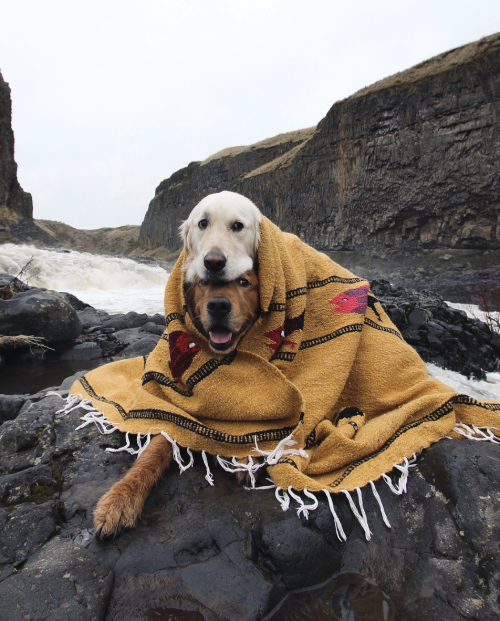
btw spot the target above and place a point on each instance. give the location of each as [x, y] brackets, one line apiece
[221, 236]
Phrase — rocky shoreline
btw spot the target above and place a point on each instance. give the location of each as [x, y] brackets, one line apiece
[226, 553]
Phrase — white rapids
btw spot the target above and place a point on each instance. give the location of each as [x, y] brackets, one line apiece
[119, 285]
[113, 284]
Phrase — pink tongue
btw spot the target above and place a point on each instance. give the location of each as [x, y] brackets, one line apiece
[220, 337]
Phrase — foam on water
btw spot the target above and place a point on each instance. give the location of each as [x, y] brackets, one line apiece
[478, 389]
[114, 284]
[473, 311]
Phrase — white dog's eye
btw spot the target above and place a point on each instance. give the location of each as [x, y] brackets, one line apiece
[237, 226]
[244, 282]
[202, 224]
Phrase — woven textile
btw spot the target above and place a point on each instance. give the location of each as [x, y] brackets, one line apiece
[323, 366]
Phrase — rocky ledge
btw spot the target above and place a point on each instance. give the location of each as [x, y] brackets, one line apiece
[226, 553]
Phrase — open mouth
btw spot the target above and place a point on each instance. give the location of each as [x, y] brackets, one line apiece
[220, 339]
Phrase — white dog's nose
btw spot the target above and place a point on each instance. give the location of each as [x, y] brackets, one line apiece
[214, 261]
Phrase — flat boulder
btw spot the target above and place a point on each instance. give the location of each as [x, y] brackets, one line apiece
[42, 313]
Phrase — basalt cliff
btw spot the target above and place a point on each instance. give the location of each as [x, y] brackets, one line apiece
[411, 162]
[16, 206]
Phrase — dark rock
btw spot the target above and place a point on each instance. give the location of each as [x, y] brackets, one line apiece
[35, 484]
[141, 347]
[24, 529]
[77, 304]
[40, 313]
[411, 336]
[91, 317]
[62, 582]
[152, 328]
[138, 343]
[85, 351]
[10, 406]
[417, 318]
[226, 553]
[124, 322]
[158, 319]
[440, 334]
[28, 440]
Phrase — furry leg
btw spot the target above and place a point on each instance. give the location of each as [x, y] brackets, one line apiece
[121, 506]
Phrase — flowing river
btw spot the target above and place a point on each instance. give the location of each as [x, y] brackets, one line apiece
[120, 285]
[114, 284]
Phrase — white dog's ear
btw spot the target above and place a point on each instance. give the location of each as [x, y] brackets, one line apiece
[256, 240]
[185, 233]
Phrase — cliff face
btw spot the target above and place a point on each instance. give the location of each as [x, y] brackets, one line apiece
[412, 161]
[15, 204]
[225, 170]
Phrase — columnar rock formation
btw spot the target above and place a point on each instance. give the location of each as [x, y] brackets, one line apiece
[15, 204]
[411, 161]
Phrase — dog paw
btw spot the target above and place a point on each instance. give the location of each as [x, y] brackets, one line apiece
[114, 512]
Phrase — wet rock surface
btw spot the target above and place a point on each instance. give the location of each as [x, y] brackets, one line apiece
[77, 334]
[228, 553]
[37, 312]
[440, 334]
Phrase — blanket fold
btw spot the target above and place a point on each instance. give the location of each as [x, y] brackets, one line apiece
[323, 368]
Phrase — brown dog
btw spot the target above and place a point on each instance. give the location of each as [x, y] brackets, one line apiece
[223, 312]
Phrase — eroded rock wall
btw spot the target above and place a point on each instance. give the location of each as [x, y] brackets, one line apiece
[175, 197]
[410, 162]
[15, 204]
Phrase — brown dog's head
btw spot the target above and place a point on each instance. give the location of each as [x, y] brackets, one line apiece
[224, 311]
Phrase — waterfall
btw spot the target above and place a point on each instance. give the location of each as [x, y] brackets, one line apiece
[114, 284]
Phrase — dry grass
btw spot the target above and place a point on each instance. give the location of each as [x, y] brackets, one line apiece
[16, 284]
[22, 340]
[433, 66]
[486, 295]
[299, 135]
[280, 162]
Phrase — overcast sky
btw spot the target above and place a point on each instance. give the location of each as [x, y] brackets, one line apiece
[111, 97]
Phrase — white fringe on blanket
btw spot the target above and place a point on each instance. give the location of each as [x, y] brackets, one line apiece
[72, 402]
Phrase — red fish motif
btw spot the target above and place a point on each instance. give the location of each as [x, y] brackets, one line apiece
[182, 351]
[351, 301]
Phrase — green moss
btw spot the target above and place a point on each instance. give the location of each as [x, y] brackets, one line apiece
[39, 494]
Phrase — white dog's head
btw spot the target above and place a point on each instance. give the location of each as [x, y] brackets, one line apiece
[221, 236]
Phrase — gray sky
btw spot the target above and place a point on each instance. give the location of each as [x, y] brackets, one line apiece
[111, 97]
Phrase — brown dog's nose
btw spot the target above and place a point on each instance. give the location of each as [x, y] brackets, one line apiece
[214, 261]
[219, 307]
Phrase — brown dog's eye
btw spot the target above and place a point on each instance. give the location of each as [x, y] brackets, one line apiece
[204, 282]
[237, 226]
[244, 282]
[202, 224]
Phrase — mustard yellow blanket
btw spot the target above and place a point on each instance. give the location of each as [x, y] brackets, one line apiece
[323, 386]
